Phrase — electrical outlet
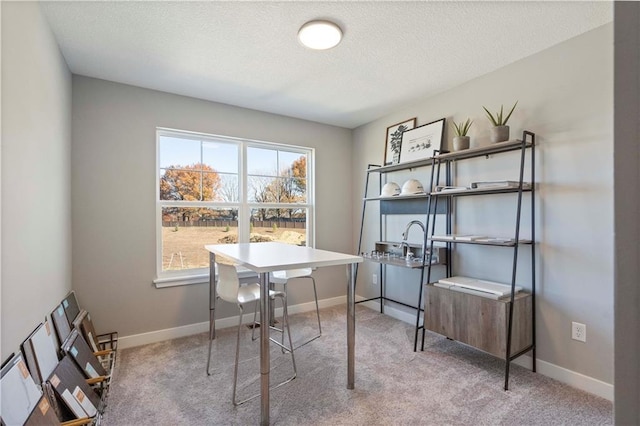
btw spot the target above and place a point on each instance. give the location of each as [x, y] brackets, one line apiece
[578, 331]
[374, 279]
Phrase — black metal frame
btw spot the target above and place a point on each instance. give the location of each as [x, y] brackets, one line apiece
[431, 209]
[528, 141]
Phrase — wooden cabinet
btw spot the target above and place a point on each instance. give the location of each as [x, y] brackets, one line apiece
[479, 321]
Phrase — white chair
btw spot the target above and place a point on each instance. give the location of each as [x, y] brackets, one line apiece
[228, 288]
[282, 278]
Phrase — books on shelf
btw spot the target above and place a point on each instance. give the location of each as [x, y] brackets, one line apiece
[498, 240]
[441, 188]
[469, 237]
[468, 291]
[459, 237]
[476, 286]
[494, 184]
[483, 185]
[473, 237]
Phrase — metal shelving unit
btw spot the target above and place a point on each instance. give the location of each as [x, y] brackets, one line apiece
[399, 205]
[526, 144]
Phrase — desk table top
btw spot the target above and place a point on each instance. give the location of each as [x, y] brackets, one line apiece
[274, 256]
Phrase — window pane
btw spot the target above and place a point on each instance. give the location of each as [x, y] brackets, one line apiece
[220, 157]
[262, 162]
[206, 171]
[293, 166]
[282, 225]
[185, 232]
[262, 190]
[177, 153]
[182, 184]
[228, 190]
[288, 161]
[211, 185]
[293, 191]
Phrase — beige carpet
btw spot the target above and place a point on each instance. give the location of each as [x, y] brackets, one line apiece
[447, 384]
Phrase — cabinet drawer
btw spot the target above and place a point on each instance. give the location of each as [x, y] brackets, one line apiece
[478, 321]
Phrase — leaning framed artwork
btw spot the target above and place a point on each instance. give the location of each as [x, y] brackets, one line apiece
[394, 140]
[422, 142]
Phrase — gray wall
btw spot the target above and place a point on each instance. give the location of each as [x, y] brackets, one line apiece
[627, 211]
[36, 140]
[565, 97]
[113, 208]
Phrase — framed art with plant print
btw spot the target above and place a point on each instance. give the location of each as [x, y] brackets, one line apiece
[422, 142]
[394, 140]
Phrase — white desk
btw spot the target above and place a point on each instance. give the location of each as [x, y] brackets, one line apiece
[268, 257]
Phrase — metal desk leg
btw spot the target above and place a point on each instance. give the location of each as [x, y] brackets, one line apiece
[212, 304]
[351, 326]
[264, 348]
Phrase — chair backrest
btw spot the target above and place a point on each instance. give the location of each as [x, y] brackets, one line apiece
[228, 283]
[291, 273]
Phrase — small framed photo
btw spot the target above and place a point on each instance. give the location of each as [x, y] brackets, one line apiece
[421, 142]
[394, 140]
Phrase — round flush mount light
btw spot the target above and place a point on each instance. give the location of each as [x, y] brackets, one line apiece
[320, 35]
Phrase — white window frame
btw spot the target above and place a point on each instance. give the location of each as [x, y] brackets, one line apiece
[201, 275]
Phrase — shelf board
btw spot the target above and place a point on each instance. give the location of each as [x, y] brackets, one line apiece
[484, 243]
[481, 191]
[401, 262]
[399, 197]
[494, 148]
[402, 166]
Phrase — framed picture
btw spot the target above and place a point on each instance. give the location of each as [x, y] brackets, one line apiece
[394, 140]
[421, 142]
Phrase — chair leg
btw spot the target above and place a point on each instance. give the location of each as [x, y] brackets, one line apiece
[235, 370]
[315, 295]
[256, 322]
[285, 319]
[212, 319]
[255, 313]
[289, 349]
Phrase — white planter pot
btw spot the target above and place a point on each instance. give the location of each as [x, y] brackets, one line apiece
[461, 142]
[499, 134]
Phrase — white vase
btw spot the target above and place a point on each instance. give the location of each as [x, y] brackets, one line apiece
[461, 142]
[499, 134]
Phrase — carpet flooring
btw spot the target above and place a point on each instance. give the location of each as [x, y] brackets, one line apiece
[449, 383]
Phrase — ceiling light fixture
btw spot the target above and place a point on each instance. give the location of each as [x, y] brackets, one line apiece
[320, 35]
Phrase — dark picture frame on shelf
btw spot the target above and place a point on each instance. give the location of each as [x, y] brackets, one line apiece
[421, 142]
[394, 140]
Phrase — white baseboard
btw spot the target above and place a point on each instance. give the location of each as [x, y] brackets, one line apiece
[561, 374]
[202, 327]
[572, 378]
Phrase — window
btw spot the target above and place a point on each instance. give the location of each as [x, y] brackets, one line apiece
[216, 190]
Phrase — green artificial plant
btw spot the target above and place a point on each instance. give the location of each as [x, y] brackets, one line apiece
[499, 119]
[462, 128]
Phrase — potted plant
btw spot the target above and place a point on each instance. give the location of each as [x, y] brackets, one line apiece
[500, 131]
[461, 140]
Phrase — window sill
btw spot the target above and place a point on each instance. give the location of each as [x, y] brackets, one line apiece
[176, 281]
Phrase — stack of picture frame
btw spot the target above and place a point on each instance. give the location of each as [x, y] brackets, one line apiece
[62, 374]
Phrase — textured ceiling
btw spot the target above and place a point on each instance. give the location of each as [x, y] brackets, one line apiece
[246, 53]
